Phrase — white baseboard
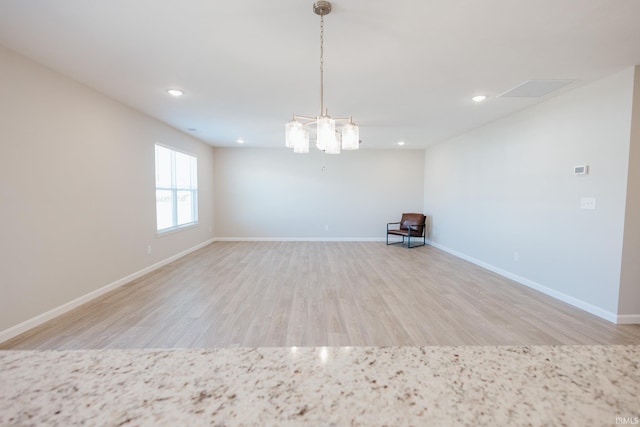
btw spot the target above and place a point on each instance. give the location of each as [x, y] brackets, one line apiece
[20, 328]
[299, 239]
[590, 308]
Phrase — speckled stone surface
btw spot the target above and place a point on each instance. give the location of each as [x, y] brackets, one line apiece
[538, 385]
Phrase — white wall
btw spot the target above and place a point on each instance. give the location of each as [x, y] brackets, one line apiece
[509, 187]
[274, 193]
[77, 190]
[630, 275]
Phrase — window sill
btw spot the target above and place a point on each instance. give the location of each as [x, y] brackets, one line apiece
[172, 230]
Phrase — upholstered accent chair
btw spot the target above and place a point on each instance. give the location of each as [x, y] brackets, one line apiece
[410, 225]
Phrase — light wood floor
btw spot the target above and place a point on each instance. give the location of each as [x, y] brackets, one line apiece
[317, 294]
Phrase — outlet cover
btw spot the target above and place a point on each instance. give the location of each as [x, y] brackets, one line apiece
[588, 203]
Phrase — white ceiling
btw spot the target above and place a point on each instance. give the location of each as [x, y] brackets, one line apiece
[405, 70]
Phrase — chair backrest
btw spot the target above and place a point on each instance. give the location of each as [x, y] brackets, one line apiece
[415, 221]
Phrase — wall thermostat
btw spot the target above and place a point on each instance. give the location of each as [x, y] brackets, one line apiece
[581, 170]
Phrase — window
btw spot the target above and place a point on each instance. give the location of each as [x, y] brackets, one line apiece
[176, 189]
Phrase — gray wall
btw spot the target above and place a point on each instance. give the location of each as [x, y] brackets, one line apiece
[274, 193]
[77, 190]
[505, 195]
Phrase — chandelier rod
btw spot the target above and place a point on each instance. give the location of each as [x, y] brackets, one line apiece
[321, 64]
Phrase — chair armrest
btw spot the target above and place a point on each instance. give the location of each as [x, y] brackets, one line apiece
[391, 223]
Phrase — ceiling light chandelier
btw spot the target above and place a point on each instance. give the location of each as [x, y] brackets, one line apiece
[327, 139]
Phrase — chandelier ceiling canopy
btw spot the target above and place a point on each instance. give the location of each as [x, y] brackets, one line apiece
[328, 139]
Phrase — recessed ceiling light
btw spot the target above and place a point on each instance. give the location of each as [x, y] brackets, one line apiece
[400, 143]
[175, 92]
[192, 129]
[479, 98]
[240, 141]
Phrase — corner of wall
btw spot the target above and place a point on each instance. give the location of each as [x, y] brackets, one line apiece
[629, 297]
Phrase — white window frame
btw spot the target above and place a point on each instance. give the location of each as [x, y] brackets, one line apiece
[174, 189]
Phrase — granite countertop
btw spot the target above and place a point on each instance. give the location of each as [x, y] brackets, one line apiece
[535, 385]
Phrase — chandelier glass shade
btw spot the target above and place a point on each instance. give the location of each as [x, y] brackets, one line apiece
[329, 138]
